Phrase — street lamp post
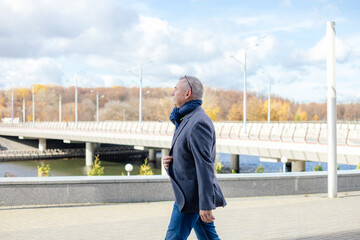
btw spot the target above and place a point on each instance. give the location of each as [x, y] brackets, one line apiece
[33, 103]
[269, 91]
[24, 110]
[244, 98]
[97, 106]
[59, 108]
[12, 105]
[76, 117]
[140, 90]
[140, 95]
[245, 76]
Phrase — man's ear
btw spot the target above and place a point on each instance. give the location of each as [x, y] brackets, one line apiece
[188, 94]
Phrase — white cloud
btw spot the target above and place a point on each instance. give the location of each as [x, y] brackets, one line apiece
[24, 72]
[319, 52]
[49, 41]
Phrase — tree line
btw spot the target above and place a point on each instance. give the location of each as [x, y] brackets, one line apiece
[122, 103]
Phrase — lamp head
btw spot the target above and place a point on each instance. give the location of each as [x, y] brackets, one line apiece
[128, 167]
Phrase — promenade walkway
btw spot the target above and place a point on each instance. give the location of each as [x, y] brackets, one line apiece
[284, 217]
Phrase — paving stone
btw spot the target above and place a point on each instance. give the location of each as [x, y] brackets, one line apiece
[282, 218]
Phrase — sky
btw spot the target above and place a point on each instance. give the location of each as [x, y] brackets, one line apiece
[106, 43]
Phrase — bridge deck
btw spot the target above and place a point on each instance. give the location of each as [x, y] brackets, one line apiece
[297, 141]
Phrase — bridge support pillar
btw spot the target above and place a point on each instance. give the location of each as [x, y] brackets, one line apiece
[164, 152]
[235, 159]
[152, 155]
[298, 166]
[42, 144]
[89, 153]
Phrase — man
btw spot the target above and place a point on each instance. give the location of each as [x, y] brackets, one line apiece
[191, 165]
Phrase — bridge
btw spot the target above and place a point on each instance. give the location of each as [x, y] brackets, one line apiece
[299, 142]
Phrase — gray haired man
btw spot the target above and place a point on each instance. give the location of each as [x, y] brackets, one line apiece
[191, 165]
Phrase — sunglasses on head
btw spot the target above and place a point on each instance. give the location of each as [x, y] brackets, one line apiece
[188, 82]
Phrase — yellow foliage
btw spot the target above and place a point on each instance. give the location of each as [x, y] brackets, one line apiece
[284, 111]
[235, 113]
[2, 102]
[254, 109]
[29, 118]
[315, 118]
[218, 166]
[145, 169]
[279, 110]
[43, 170]
[96, 168]
[213, 112]
[38, 87]
[301, 115]
[23, 92]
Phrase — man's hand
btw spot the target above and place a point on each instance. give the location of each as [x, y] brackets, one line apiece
[166, 161]
[207, 216]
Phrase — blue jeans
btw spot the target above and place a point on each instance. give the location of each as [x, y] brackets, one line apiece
[181, 224]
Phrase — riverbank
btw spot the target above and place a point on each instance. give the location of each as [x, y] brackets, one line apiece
[23, 155]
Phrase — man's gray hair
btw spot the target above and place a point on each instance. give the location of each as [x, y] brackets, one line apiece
[195, 86]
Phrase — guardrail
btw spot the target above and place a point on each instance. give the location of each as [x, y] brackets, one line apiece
[348, 134]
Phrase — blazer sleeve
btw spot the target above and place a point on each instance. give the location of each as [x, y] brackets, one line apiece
[202, 144]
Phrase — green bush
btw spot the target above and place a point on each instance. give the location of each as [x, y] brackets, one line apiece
[318, 168]
[43, 170]
[259, 169]
[218, 166]
[96, 169]
[145, 169]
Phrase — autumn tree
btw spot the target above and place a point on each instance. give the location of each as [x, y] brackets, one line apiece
[300, 115]
[254, 106]
[235, 112]
[121, 103]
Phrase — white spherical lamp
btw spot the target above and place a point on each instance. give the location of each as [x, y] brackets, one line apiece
[128, 168]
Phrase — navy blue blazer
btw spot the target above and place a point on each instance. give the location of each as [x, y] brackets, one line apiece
[192, 170]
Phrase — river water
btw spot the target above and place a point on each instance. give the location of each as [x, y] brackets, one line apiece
[69, 167]
[76, 166]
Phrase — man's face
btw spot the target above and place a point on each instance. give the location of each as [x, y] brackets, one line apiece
[179, 94]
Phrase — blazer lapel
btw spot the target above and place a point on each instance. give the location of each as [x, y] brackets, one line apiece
[182, 125]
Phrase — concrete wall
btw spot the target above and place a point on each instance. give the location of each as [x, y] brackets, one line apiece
[115, 189]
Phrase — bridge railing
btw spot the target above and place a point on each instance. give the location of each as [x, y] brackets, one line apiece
[308, 133]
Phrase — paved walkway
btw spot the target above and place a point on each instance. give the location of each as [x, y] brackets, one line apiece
[286, 217]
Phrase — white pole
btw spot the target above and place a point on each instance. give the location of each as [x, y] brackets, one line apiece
[97, 107]
[12, 105]
[244, 106]
[59, 108]
[33, 103]
[269, 100]
[24, 110]
[76, 101]
[331, 111]
[140, 95]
